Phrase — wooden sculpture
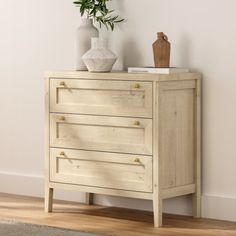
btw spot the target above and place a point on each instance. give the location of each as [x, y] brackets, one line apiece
[161, 51]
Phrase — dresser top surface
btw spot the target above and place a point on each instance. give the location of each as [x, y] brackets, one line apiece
[121, 75]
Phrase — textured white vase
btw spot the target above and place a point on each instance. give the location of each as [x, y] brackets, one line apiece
[83, 41]
[99, 58]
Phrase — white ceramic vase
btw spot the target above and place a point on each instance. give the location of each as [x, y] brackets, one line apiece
[99, 58]
[83, 41]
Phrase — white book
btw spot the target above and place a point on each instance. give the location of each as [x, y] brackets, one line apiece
[154, 70]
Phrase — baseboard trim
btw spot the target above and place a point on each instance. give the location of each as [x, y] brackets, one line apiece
[214, 207]
[20, 184]
[219, 207]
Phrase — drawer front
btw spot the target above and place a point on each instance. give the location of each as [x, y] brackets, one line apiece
[98, 169]
[111, 134]
[98, 97]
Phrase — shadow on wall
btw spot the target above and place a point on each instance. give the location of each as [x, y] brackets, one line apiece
[184, 51]
[131, 54]
[128, 52]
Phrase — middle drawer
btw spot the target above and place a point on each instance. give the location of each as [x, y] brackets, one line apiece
[111, 134]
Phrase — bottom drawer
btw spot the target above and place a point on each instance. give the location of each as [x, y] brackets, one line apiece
[100, 169]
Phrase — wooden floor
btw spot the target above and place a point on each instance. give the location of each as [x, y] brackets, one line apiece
[115, 221]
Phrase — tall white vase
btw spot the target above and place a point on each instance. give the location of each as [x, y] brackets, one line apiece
[83, 41]
[99, 58]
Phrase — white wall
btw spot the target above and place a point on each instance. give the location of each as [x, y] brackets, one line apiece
[39, 36]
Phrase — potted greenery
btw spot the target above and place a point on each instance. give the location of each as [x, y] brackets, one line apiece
[92, 11]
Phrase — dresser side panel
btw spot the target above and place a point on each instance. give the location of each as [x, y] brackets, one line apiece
[177, 150]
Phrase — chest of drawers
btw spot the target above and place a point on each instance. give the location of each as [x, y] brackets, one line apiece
[120, 134]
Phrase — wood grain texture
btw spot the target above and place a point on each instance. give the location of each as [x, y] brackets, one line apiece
[157, 160]
[99, 133]
[161, 51]
[103, 191]
[198, 151]
[89, 198]
[109, 220]
[177, 133]
[99, 169]
[121, 76]
[48, 199]
[101, 97]
[48, 191]
[178, 191]
[119, 134]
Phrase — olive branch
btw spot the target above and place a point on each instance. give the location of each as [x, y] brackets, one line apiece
[99, 12]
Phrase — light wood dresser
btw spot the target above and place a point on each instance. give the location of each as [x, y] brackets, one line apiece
[120, 134]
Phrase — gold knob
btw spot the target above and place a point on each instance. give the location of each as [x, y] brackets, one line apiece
[137, 160]
[137, 123]
[62, 83]
[62, 118]
[137, 86]
[62, 154]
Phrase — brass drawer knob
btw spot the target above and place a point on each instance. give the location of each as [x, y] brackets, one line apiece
[62, 83]
[137, 160]
[137, 123]
[62, 154]
[62, 118]
[137, 86]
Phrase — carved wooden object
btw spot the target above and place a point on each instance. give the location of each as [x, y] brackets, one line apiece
[161, 51]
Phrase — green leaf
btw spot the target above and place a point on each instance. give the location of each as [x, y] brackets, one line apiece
[98, 10]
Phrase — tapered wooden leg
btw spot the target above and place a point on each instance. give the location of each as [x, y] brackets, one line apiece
[196, 205]
[89, 198]
[48, 199]
[197, 166]
[157, 209]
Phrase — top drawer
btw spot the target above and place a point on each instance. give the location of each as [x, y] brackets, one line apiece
[101, 97]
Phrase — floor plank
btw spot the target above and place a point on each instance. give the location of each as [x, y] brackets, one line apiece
[116, 221]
